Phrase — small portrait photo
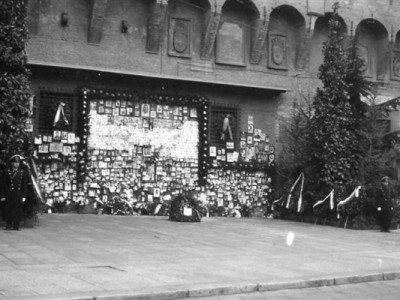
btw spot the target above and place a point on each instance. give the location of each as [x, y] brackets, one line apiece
[108, 110]
[145, 110]
[57, 135]
[156, 192]
[213, 151]
[115, 111]
[230, 145]
[242, 144]
[118, 103]
[44, 138]
[257, 135]
[64, 136]
[101, 102]
[129, 111]
[38, 139]
[100, 109]
[71, 138]
[153, 114]
[159, 109]
[137, 112]
[165, 113]
[108, 103]
[67, 150]
[250, 128]
[193, 112]
[44, 148]
[147, 151]
[122, 111]
[249, 140]
[123, 103]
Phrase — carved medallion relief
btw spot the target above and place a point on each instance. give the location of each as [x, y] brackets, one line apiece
[277, 52]
[179, 37]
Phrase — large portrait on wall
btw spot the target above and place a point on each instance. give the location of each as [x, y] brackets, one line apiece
[364, 54]
[179, 37]
[230, 44]
[395, 65]
[277, 52]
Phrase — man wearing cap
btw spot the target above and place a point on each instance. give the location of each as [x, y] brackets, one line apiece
[384, 205]
[13, 190]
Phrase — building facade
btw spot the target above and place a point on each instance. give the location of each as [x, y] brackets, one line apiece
[156, 97]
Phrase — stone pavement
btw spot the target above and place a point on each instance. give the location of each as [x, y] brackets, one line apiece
[73, 256]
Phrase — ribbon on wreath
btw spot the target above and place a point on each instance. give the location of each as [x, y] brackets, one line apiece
[226, 128]
[60, 113]
[330, 197]
[353, 195]
[301, 192]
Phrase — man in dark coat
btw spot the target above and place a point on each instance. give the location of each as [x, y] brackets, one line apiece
[13, 190]
[384, 205]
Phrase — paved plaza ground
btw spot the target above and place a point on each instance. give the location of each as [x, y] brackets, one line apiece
[76, 256]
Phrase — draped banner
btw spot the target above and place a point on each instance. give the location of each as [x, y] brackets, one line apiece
[353, 195]
[330, 197]
[301, 192]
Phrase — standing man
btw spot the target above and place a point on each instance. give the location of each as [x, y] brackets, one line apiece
[13, 190]
[384, 205]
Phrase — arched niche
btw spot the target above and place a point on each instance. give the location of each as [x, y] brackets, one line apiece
[236, 29]
[373, 42]
[319, 37]
[186, 24]
[397, 41]
[286, 35]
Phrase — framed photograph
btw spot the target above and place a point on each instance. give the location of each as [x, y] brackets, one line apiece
[64, 136]
[57, 135]
[115, 111]
[147, 151]
[118, 103]
[159, 109]
[92, 193]
[213, 151]
[242, 144]
[123, 103]
[108, 103]
[129, 111]
[193, 112]
[257, 135]
[38, 139]
[44, 148]
[56, 147]
[122, 111]
[108, 110]
[67, 150]
[145, 110]
[157, 192]
[230, 145]
[153, 114]
[71, 138]
[250, 128]
[149, 172]
[101, 102]
[249, 140]
[100, 109]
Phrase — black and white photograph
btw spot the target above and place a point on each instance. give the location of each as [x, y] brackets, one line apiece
[187, 149]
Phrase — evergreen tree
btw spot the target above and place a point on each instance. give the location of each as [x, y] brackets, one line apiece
[14, 79]
[335, 148]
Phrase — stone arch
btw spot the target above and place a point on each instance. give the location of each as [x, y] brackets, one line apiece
[374, 47]
[319, 36]
[236, 30]
[397, 40]
[286, 31]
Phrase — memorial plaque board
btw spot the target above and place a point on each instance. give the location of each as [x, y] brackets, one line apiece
[230, 44]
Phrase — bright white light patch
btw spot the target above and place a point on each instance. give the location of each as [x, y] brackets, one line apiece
[290, 238]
